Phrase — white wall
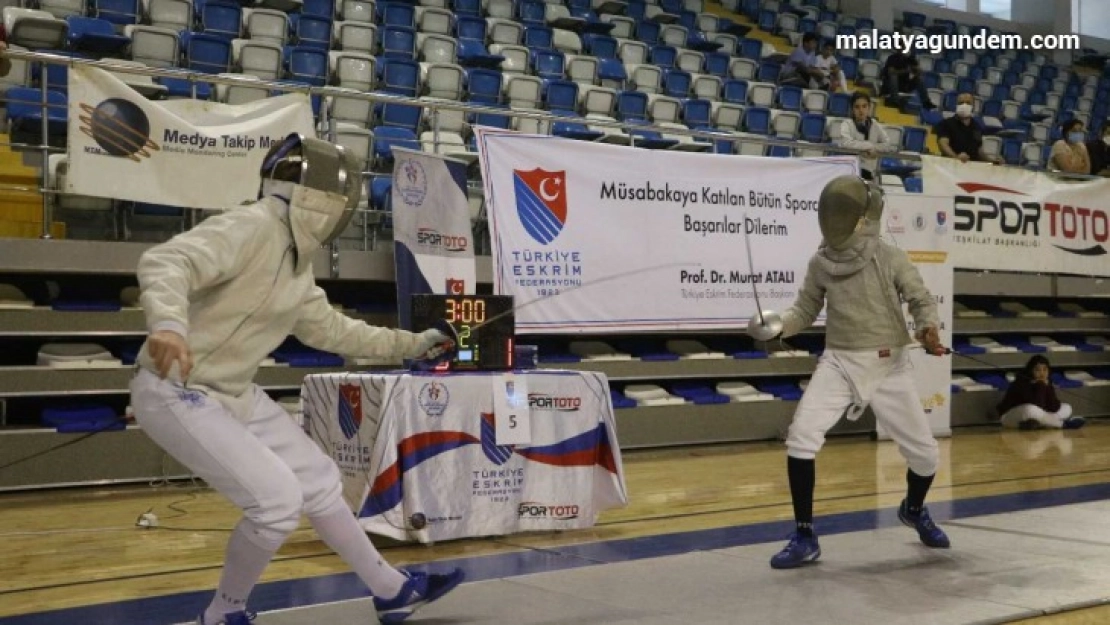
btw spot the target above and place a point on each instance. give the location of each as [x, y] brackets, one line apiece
[1092, 18]
[964, 17]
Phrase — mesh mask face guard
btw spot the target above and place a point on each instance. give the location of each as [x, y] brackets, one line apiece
[845, 202]
[321, 166]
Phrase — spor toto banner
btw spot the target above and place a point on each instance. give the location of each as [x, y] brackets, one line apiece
[908, 225]
[187, 153]
[1006, 218]
[606, 238]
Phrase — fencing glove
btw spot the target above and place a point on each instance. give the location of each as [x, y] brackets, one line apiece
[437, 344]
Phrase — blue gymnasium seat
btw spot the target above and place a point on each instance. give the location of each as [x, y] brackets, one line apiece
[784, 390]
[90, 34]
[699, 393]
[1060, 381]
[121, 12]
[388, 137]
[301, 356]
[82, 418]
[313, 31]
[962, 346]
[997, 380]
[25, 111]
[207, 53]
[483, 85]
[646, 349]
[619, 400]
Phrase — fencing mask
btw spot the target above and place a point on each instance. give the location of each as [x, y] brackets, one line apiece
[323, 182]
[846, 205]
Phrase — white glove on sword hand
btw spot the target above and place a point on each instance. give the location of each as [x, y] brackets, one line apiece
[437, 342]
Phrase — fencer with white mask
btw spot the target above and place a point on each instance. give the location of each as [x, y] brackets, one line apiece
[862, 280]
[218, 299]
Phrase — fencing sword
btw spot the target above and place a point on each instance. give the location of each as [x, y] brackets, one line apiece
[583, 285]
[770, 322]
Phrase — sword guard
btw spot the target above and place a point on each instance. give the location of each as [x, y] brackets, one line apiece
[765, 326]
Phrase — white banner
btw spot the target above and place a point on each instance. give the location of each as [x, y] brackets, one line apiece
[1012, 219]
[188, 153]
[433, 240]
[645, 240]
[420, 459]
[911, 224]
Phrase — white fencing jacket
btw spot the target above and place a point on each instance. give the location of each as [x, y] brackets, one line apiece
[236, 286]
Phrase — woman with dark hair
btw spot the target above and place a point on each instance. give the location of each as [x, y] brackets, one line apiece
[1099, 151]
[1069, 154]
[863, 132]
[1031, 402]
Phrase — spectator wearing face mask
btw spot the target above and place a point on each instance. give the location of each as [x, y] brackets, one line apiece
[862, 132]
[1099, 151]
[961, 136]
[1069, 155]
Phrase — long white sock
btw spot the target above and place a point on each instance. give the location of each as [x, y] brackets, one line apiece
[341, 531]
[248, 553]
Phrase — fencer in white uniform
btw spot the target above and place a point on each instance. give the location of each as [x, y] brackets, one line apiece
[862, 280]
[218, 299]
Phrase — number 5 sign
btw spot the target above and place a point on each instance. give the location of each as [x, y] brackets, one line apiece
[511, 415]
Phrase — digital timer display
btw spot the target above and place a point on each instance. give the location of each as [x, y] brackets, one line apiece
[484, 323]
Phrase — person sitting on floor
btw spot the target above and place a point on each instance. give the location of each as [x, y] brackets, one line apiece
[1030, 401]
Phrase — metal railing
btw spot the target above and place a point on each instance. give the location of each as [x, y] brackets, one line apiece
[539, 121]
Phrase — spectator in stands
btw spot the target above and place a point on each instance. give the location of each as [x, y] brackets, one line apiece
[1069, 154]
[801, 68]
[961, 136]
[218, 299]
[1030, 401]
[863, 132]
[902, 74]
[834, 76]
[1099, 151]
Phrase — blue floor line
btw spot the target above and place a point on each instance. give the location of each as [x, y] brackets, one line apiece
[176, 608]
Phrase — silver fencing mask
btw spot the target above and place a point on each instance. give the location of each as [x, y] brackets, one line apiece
[327, 186]
[845, 203]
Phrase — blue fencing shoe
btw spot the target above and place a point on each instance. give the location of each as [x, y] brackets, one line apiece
[1074, 423]
[235, 618]
[927, 531]
[420, 589]
[800, 550]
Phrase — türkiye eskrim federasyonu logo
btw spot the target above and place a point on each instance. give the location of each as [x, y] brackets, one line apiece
[541, 202]
[119, 127]
[1017, 217]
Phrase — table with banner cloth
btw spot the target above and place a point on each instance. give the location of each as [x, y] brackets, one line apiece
[420, 460]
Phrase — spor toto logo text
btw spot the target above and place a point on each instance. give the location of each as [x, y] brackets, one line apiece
[448, 242]
[536, 510]
[540, 401]
[1084, 227]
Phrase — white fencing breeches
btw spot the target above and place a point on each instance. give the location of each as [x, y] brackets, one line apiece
[1031, 412]
[267, 466]
[894, 401]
